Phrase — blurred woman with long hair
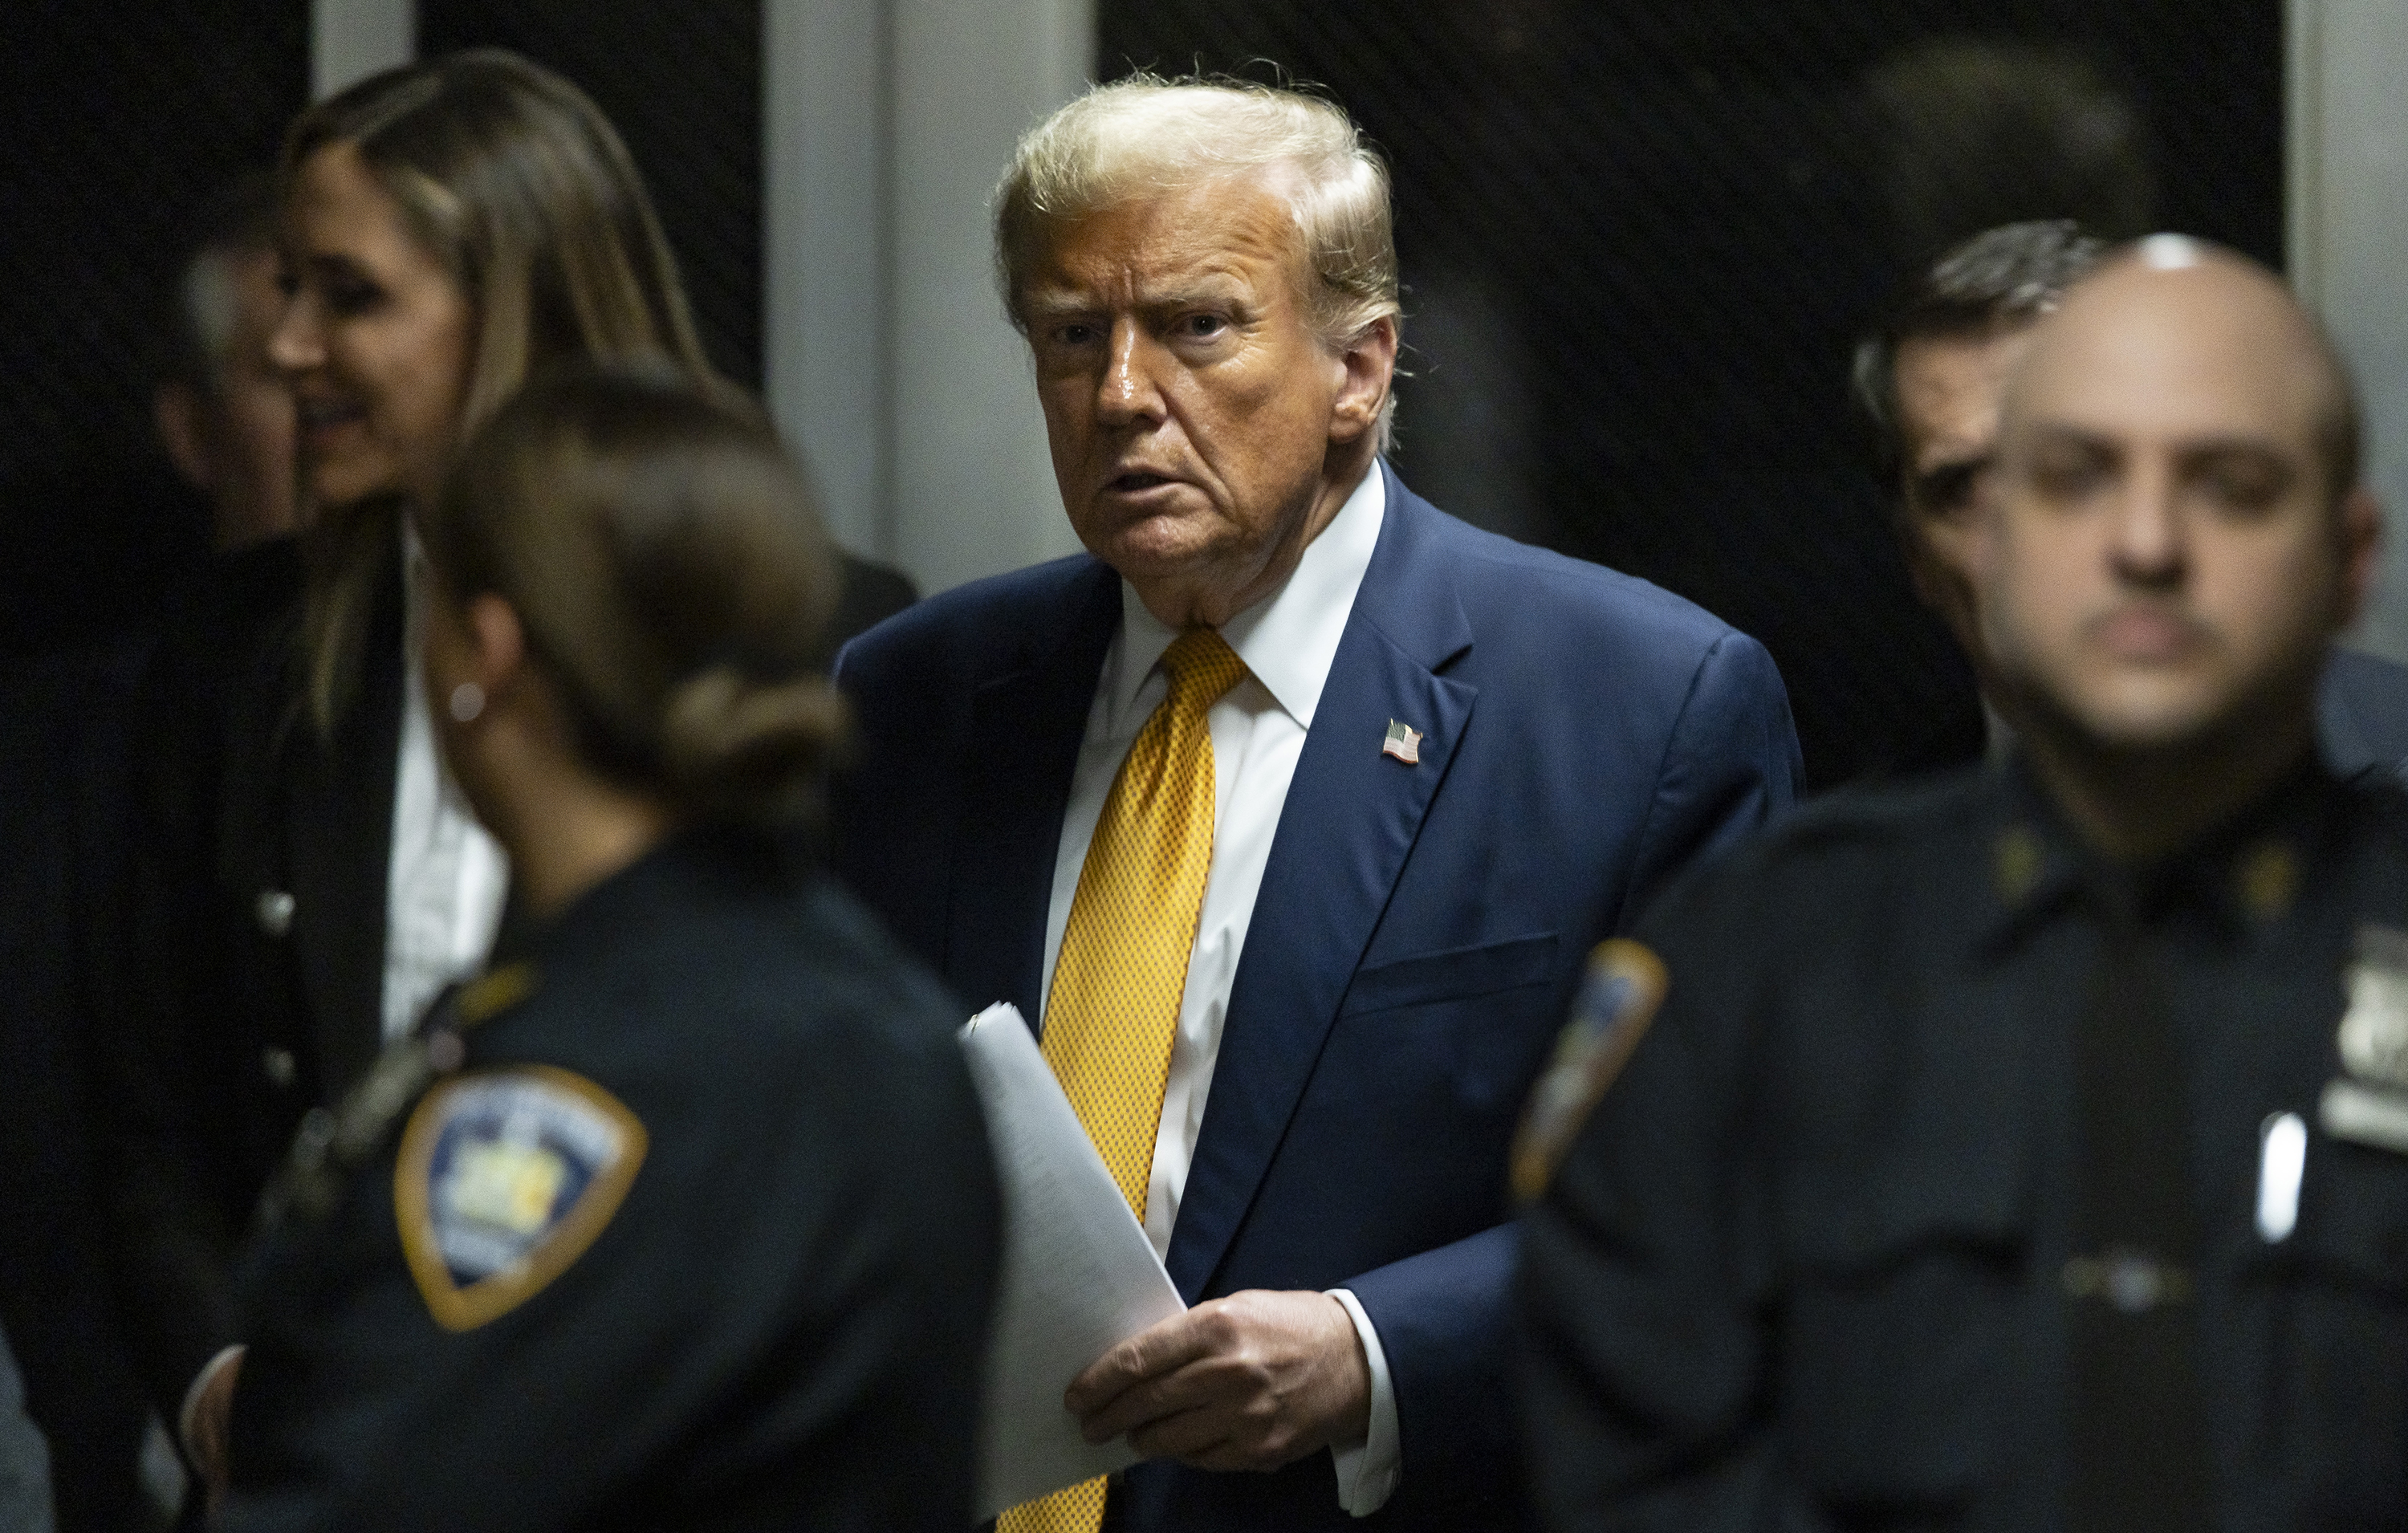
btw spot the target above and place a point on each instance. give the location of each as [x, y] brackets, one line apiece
[308, 878]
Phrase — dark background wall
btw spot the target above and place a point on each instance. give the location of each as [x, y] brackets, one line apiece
[682, 85]
[1639, 241]
[122, 116]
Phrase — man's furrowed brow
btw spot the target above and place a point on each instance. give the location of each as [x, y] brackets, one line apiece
[1189, 288]
[1056, 304]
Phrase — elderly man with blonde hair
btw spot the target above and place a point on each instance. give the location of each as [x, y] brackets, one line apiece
[1287, 813]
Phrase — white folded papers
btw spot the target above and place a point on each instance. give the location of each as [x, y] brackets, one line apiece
[1079, 1275]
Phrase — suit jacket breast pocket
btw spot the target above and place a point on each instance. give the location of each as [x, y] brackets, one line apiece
[1471, 1022]
[1453, 974]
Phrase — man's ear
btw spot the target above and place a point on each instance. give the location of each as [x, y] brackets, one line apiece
[178, 412]
[1370, 363]
[1984, 548]
[2361, 543]
[1922, 570]
[500, 642]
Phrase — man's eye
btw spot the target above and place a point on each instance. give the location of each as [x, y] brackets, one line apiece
[1202, 326]
[1947, 491]
[2245, 485]
[2243, 490]
[350, 296]
[1074, 334]
[2066, 478]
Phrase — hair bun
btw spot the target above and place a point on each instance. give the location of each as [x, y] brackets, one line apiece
[751, 750]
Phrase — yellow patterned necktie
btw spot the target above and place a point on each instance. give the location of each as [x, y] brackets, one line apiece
[1123, 970]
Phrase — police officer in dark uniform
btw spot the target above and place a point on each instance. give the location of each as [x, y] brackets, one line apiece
[680, 1215]
[2030, 1151]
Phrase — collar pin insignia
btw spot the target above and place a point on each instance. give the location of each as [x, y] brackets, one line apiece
[2267, 878]
[1404, 742]
[493, 992]
[2017, 863]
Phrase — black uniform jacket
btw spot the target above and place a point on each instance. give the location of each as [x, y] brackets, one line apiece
[1803, 1268]
[778, 1322]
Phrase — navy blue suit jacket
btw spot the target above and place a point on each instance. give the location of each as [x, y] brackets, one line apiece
[1586, 736]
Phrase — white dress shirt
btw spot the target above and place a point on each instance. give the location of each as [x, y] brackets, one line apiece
[447, 877]
[1287, 641]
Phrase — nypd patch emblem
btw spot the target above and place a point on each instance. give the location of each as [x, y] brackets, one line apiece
[1618, 995]
[504, 1178]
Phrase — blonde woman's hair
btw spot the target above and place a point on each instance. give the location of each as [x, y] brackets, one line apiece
[671, 576]
[1143, 137]
[510, 178]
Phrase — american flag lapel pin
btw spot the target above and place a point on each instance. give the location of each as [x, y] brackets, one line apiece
[1404, 742]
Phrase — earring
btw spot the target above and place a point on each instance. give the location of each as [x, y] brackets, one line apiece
[468, 701]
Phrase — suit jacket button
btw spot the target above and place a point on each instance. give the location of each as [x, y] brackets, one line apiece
[279, 1065]
[274, 909]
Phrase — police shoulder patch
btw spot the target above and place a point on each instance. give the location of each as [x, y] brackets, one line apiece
[504, 1178]
[1618, 995]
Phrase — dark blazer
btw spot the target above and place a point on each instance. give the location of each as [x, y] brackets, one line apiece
[867, 594]
[246, 980]
[1585, 736]
[24, 1462]
[63, 761]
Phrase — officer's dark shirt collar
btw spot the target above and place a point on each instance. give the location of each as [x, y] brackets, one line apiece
[682, 866]
[2242, 876]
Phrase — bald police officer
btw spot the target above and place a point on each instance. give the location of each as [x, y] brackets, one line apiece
[2030, 1151]
[1930, 380]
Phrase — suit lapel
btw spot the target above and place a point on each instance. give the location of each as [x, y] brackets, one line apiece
[1026, 722]
[1350, 818]
[340, 831]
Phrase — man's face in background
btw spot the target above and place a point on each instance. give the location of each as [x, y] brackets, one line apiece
[1949, 391]
[232, 439]
[2160, 556]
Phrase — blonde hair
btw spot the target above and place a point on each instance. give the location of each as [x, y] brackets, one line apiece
[510, 178]
[1144, 137]
[671, 576]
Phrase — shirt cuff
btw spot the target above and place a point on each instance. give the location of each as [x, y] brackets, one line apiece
[201, 1382]
[1368, 1470]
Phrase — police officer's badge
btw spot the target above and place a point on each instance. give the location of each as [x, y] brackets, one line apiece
[1618, 995]
[504, 1178]
[2370, 1103]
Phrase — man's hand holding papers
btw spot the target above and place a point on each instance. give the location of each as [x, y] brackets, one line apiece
[1251, 1381]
